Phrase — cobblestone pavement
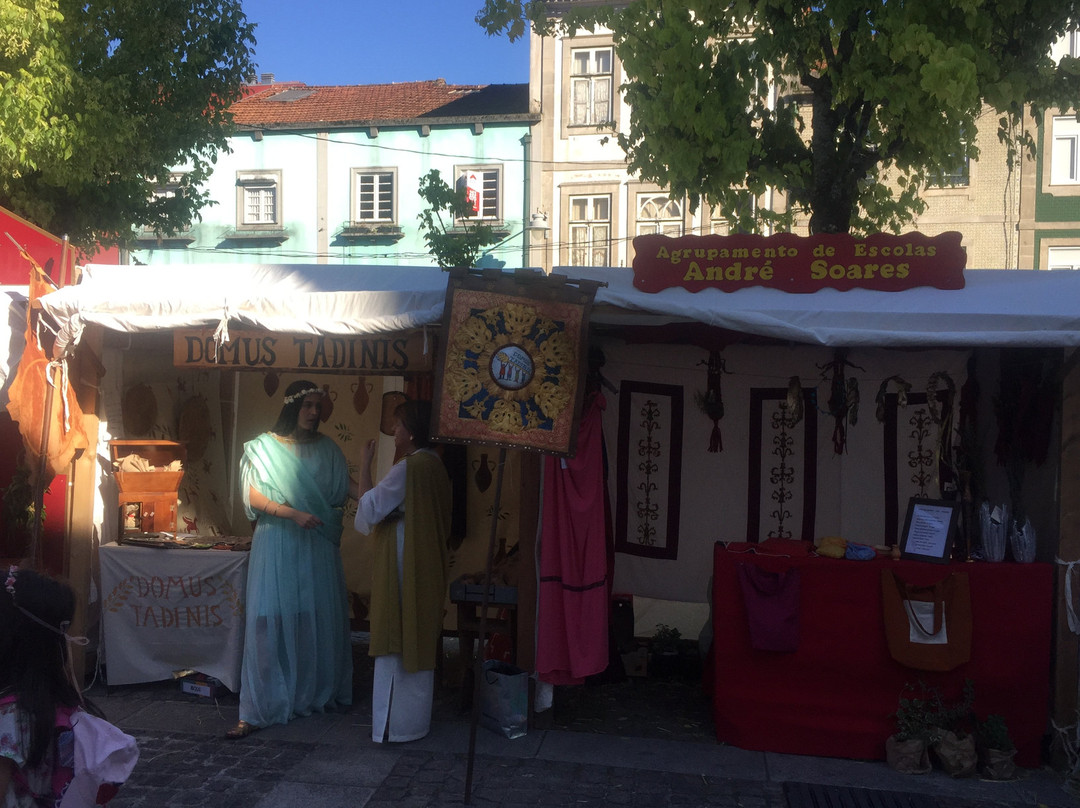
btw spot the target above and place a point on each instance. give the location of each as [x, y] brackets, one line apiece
[178, 770]
[632, 743]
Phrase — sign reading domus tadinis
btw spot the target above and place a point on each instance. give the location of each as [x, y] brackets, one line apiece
[392, 353]
[804, 264]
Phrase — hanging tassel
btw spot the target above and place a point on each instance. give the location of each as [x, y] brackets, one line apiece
[711, 402]
[794, 402]
[716, 442]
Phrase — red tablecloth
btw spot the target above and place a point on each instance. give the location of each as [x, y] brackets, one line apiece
[834, 696]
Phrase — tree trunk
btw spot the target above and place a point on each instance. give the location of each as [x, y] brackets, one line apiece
[832, 191]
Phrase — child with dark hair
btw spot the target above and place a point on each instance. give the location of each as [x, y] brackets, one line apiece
[41, 703]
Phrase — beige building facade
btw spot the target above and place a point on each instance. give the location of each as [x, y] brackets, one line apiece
[593, 207]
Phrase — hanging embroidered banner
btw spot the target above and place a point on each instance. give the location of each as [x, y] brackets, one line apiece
[793, 263]
[513, 374]
[649, 469]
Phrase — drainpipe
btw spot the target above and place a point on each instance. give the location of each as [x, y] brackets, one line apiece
[526, 234]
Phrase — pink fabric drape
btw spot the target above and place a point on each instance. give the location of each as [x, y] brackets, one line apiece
[575, 587]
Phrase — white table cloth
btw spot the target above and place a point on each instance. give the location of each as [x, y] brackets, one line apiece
[170, 610]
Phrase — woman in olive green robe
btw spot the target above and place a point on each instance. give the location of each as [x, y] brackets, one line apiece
[408, 514]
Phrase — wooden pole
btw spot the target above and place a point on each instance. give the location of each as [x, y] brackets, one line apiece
[35, 552]
[478, 655]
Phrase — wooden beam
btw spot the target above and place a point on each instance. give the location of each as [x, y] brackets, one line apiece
[1064, 673]
[80, 540]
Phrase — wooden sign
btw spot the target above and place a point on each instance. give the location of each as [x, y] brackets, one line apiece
[792, 263]
[388, 354]
[513, 373]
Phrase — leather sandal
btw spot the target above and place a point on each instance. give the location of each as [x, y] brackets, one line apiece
[241, 730]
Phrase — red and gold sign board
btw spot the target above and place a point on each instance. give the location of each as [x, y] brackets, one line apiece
[792, 263]
[373, 354]
[515, 356]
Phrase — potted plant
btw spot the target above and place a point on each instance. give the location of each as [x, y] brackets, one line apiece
[664, 650]
[925, 721]
[954, 746]
[907, 749]
[996, 748]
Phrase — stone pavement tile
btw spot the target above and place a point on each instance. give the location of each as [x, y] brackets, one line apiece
[306, 728]
[453, 736]
[360, 764]
[647, 754]
[177, 769]
[352, 727]
[306, 795]
[200, 719]
[1032, 787]
[422, 779]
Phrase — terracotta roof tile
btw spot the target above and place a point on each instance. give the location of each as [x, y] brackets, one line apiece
[370, 104]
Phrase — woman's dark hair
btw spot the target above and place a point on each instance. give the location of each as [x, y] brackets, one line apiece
[290, 411]
[34, 657]
[415, 416]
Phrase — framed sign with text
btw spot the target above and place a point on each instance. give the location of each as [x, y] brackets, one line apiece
[514, 360]
[929, 529]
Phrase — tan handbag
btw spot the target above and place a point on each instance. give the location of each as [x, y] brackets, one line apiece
[928, 628]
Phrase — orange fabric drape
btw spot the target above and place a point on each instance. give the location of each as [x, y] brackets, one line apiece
[46, 435]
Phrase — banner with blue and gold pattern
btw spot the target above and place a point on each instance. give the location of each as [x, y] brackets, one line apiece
[514, 362]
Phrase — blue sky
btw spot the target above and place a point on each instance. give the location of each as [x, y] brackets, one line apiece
[326, 42]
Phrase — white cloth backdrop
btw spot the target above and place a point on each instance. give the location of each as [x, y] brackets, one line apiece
[848, 489]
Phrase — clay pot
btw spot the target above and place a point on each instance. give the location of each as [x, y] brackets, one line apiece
[270, 382]
[361, 394]
[327, 403]
[483, 467]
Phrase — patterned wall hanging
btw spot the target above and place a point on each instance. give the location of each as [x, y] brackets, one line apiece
[649, 469]
[515, 359]
[912, 456]
[782, 466]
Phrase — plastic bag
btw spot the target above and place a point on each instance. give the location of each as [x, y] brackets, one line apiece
[1022, 541]
[993, 523]
[504, 699]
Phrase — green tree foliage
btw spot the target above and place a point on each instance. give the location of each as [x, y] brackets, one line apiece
[865, 91]
[451, 239]
[100, 99]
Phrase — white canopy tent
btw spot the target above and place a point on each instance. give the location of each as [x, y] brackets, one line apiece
[1003, 308]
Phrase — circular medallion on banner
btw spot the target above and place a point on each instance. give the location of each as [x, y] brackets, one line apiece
[511, 367]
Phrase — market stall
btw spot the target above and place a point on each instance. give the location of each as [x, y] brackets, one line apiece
[672, 348]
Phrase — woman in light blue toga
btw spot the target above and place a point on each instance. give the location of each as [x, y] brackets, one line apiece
[297, 652]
